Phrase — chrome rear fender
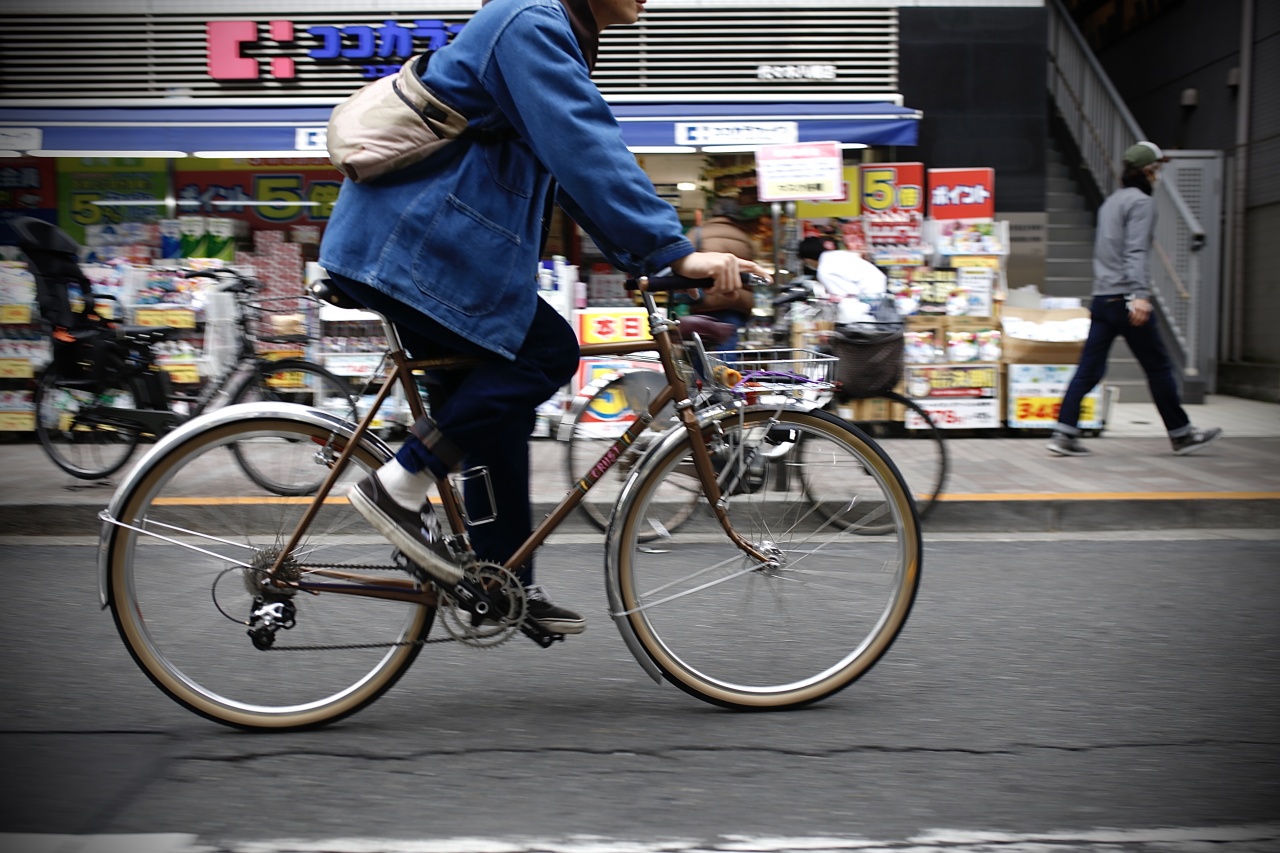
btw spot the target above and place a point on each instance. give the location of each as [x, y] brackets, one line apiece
[237, 413]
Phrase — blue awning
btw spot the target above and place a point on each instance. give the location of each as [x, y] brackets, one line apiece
[851, 123]
[191, 129]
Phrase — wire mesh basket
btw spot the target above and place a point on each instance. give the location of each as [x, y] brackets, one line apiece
[797, 374]
[280, 319]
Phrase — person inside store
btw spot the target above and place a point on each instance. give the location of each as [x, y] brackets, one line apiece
[723, 232]
[847, 278]
[1121, 307]
[448, 249]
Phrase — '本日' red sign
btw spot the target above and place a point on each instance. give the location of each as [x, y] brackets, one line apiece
[962, 193]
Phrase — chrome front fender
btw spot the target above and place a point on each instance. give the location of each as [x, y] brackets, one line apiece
[237, 413]
[612, 539]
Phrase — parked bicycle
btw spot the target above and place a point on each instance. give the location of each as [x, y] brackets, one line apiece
[263, 612]
[105, 390]
[899, 424]
[613, 400]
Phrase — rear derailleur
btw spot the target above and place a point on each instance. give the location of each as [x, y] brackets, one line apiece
[269, 615]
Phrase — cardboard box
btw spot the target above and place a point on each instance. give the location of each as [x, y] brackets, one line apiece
[1019, 350]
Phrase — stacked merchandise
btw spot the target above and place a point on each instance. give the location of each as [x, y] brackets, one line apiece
[1042, 346]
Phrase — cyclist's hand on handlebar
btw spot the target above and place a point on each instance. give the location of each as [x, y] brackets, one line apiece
[722, 268]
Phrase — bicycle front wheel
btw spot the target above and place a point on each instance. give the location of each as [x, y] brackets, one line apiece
[186, 578]
[291, 381]
[821, 607]
[77, 428]
[595, 422]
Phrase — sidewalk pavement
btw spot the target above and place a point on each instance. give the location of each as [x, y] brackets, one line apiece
[1132, 481]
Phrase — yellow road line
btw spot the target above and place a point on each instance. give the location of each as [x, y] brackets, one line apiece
[1114, 496]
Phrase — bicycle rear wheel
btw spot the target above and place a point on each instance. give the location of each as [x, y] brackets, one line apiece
[76, 428]
[183, 577]
[595, 422]
[291, 381]
[825, 606]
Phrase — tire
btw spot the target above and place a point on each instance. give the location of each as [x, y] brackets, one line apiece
[75, 431]
[598, 417]
[292, 381]
[176, 600]
[919, 454]
[735, 633]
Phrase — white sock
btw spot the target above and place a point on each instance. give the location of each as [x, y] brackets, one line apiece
[405, 487]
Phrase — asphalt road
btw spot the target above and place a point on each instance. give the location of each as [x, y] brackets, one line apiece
[1066, 686]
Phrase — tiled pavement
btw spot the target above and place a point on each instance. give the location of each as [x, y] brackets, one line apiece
[1131, 481]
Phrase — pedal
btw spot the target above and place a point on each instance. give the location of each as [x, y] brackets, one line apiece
[534, 630]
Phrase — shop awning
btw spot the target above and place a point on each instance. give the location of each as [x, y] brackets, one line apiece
[282, 129]
[699, 125]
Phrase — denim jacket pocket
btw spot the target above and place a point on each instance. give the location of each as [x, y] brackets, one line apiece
[458, 238]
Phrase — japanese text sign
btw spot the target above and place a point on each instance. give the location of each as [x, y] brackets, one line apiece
[809, 171]
[892, 187]
[962, 193]
[612, 325]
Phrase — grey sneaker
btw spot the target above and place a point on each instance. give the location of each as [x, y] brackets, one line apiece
[556, 619]
[417, 534]
[1067, 445]
[1196, 439]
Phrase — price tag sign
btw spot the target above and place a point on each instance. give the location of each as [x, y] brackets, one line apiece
[807, 171]
[352, 364]
[183, 373]
[180, 318]
[151, 316]
[285, 380]
[17, 314]
[1035, 396]
[17, 421]
[15, 368]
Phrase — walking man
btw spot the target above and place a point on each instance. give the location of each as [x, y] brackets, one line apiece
[1121, 306]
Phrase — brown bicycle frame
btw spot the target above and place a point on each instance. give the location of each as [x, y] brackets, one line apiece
[401, 374]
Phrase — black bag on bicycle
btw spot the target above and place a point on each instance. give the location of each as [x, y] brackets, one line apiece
[870, 353]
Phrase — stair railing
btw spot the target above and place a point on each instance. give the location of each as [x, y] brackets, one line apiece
[1102, 126]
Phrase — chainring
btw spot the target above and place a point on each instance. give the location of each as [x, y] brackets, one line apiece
[508, 596]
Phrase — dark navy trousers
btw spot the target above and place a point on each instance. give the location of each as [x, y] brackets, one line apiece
[1111, 320]
[487, 411]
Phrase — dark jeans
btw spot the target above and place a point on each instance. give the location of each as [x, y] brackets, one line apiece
[1111, 320]
[488, 411]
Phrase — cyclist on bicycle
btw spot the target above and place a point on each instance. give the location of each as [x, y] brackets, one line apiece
[448, 250]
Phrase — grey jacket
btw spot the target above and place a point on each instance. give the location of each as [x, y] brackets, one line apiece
[1122, 247]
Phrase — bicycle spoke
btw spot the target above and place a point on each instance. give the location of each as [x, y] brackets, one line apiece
[813, 617]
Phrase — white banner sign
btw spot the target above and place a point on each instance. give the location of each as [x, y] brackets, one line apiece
[809, 171]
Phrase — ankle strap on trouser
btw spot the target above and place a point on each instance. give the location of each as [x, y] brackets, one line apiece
[425, 430]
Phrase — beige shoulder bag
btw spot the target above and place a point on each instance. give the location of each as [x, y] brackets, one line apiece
[388, 124]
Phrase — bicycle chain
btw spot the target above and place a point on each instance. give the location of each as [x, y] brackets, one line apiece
[426, 641]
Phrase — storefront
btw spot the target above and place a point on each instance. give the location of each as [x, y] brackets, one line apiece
[156, 115]
[155, 137]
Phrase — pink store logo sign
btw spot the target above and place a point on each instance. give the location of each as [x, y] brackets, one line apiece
[379, 49]
[226, 40]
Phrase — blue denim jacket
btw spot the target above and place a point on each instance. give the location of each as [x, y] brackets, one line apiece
[458, 235]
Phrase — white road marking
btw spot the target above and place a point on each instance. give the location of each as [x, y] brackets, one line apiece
[1253, 838]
